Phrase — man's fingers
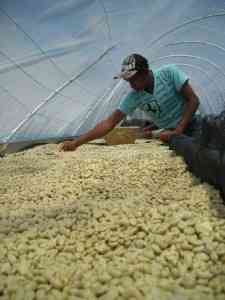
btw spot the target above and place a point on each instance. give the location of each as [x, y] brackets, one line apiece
[67, 146]
[166, 135]
[62, 147]
[147, 133]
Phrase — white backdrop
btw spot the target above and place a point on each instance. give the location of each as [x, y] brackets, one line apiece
[58, 58]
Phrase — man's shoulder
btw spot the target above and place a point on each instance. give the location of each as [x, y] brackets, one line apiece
[129, 100]
[166, 68]
[132, 95]
[166, 72]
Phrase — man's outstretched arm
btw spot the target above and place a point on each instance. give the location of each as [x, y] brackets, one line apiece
[100, 130]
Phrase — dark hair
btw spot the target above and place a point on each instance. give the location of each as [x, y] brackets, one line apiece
[141, 62]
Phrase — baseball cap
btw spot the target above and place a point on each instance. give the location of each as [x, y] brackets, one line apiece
[131, 65]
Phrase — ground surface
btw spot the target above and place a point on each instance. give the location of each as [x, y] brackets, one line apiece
[121, 222]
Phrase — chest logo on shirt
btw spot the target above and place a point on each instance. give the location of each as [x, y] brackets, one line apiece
[153, 107]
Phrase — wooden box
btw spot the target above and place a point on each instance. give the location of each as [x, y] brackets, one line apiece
[122, 135]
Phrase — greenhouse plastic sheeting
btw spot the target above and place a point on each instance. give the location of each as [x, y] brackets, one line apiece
[58, 58]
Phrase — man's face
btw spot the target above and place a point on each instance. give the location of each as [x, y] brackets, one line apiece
[138, 81]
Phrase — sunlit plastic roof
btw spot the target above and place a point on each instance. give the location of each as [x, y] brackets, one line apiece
[58, 58]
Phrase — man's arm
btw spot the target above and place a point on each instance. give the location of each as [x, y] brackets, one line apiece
[100, 130]
[191, 105]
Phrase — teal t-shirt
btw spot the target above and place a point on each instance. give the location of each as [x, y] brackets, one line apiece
[166, 105]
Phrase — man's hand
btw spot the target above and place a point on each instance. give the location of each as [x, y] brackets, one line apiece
[147, 133]
[167, 134]
[68, 146]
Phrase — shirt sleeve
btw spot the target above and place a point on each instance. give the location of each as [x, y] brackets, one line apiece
[129, 103]
[178, 77]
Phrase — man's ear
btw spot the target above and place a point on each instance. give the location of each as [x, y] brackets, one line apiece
[145, 72]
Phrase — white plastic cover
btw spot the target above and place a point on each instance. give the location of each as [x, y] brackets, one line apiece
[58, 58]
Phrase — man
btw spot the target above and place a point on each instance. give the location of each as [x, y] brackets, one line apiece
[165, 94]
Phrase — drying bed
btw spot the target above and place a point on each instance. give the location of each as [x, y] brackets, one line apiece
[108, 222]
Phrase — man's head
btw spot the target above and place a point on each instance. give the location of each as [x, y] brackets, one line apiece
[135, 70]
